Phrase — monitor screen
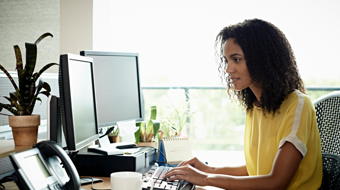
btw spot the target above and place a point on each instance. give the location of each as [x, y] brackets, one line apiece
[118, 90]
[77, 101]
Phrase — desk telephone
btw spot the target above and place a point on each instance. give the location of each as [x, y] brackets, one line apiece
[45, 167]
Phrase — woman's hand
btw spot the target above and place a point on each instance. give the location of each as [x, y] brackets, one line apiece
[188, 173]
[196, 163]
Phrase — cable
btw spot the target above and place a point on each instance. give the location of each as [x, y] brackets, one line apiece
[73, 155]
[108, 131]
[4, 180]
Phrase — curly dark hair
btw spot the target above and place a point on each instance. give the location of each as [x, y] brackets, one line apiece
[270, 61]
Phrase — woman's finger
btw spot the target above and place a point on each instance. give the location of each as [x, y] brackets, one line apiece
[186, 162]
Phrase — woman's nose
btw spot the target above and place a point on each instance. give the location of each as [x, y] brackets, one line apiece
[230, 68]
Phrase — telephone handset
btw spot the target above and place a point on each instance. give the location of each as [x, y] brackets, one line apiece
[40, 168]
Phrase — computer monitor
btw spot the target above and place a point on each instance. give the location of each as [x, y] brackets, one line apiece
[118, 89]
[77, 101]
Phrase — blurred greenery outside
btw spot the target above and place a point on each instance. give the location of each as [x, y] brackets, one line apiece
[218, 122]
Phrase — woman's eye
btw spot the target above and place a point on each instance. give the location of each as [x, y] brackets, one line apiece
[237, 59]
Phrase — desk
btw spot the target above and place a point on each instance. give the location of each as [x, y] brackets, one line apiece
[7, 147]
[103, 185]
[106, 185]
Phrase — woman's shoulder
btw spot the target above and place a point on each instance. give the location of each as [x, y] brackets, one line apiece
[297, 97]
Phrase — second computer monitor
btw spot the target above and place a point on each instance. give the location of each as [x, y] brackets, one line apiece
[118, 90]
[77, 101]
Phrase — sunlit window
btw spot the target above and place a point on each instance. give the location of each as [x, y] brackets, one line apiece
[175, 41]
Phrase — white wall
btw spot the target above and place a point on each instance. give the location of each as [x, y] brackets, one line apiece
[76, 21]
[24, 21]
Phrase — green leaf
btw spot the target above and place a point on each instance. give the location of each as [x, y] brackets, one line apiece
[40, 86]
[149, 127]
[42, 37]
[31, 58]
[47, 87]
[19, 65]
[153, 113]
[13, 96]
[9, 99]
[39, 99]
[156, 127]
[29, 109]
[23, 82]
[9, 108]
[30, 106]
[47, 94]
[1, 106]
[9, 77]
[142, 133]
[43, 85]
[13, 102]
[31, 91]
[19, 97]
[37, 74]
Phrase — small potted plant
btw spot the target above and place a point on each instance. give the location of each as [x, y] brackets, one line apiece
[114, 135]
[22, 101]
[175, 119]
[148, 130]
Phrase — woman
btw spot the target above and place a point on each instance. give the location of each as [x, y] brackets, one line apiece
[282, 144]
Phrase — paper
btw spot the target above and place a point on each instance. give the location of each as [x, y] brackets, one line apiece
[127, 127]
[104, 142]
[177, 149]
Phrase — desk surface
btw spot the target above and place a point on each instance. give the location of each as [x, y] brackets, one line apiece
[103, 185]
[7, 147]
[107, 185]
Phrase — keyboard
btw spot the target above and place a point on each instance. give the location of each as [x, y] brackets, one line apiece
[156, 172]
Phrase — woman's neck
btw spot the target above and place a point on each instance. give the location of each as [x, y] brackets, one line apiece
[257, 92]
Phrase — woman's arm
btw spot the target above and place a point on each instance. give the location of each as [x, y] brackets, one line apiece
[196, 163]
[234, 171]
[285, 165]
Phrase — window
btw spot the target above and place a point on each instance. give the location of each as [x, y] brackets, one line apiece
[175, 40]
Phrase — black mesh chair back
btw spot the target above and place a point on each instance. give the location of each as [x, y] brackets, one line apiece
[327, 110]
[331, 171]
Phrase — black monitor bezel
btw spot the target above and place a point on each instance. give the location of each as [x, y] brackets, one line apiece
[88, 53]
[66, 104]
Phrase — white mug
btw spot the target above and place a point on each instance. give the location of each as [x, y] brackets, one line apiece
[128, 181]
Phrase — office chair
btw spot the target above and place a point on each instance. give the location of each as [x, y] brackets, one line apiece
[327, 110]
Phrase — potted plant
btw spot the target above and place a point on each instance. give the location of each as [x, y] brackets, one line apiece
[22, 101]
[175, 118]
[148, 130]
[114, 135]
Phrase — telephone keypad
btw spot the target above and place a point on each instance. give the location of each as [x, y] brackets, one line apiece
[54, 186]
